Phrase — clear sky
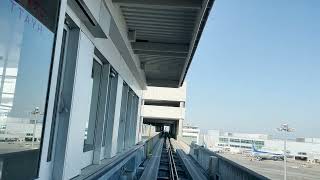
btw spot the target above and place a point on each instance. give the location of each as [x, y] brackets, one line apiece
[257, 66]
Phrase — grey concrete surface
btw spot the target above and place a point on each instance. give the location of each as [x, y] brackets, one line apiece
[9, 147]
[296, 170]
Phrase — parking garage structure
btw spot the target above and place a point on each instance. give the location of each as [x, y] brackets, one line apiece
[164, 106]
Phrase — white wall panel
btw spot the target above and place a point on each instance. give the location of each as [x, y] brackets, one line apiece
[116, 14]
[80, 109]
[104, 19]
[94, 7]
[161, 112]
[110, 51]
[168, 94]
[139, 121]
[116, 118]
[112, 54]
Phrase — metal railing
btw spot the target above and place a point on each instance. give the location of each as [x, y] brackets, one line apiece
[219, 167]
[151, 170]
[193, 169]
[173, 168]
[126, 161]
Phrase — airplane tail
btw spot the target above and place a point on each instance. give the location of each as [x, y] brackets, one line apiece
[254, 148]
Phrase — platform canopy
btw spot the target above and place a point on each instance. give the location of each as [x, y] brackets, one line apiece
[165, 34]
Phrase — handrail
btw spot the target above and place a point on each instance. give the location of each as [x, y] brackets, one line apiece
[124, 157]
[173, 168]
[115, 163]
[170, 163]
[154, 162]
[233, 164]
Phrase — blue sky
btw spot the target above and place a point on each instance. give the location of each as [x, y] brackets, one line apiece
[257, 66]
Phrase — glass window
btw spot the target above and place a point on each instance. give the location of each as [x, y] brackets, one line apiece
[246, 141]
[90, 124]
[122, 123]
[163, 103]
[110, 109]
[135, 103]
[259, 143]
[58, 92]
[131, 119]
[223, 139]
[128, 119]
[26, 44]
[234, 140]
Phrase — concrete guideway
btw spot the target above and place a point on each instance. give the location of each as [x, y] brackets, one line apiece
[150, 171]
[168, 161]
[194, 170]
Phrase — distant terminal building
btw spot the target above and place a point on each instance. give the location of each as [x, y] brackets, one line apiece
[19, 130]
[300, 148]
[190, 134]
[235, 140]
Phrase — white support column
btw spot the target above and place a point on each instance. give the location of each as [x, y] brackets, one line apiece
[139, 138]
[180, 129]
[139, 122]
[182, 110]
[115, 128]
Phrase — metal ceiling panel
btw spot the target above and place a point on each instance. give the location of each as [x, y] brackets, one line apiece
[167, 33]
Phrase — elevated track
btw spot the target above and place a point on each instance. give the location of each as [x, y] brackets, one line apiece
[169, 162]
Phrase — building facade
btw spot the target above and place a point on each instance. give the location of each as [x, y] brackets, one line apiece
[236, 140]
[190, 134]
[164, 107]
[72, 75]
[300, 148]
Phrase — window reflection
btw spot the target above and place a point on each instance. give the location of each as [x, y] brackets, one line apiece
[26, 46]
[25, 56]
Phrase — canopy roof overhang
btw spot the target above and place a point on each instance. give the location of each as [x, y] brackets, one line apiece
[164, 34]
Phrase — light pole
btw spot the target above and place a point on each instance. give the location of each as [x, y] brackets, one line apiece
[35, 112]
[286, 129]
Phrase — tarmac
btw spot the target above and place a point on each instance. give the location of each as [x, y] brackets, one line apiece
[296, 170]
[9, 147]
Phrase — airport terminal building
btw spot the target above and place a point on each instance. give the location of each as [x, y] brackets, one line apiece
[307, 149]
[190, 134]
[72, 75]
